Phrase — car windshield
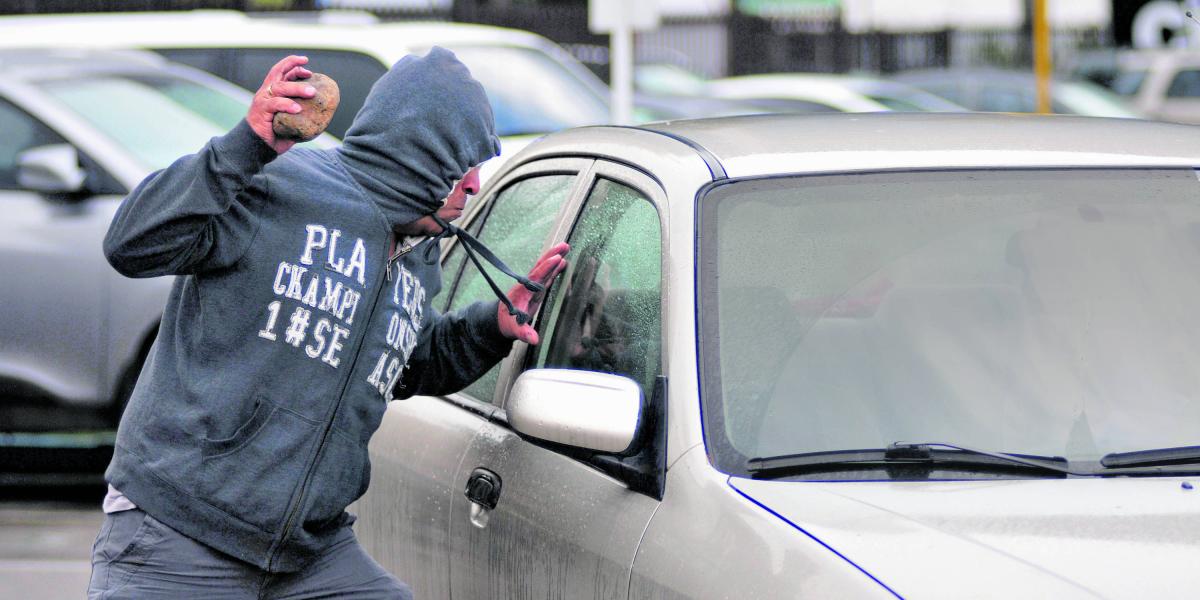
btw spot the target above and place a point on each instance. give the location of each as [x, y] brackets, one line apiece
[156, 119]
[1128, 83]
[1093, 101]
[531, 92]
[1047, 312]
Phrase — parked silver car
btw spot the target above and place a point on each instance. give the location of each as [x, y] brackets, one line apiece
[1163, 84]
[534, 85]
[844, 356]
[1000, 90]
[79, 130]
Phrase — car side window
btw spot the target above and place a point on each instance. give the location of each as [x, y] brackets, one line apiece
[21, 132]
[1186, 84]
[515, 228]
[605, 312]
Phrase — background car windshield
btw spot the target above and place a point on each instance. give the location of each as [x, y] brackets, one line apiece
[1086, 99]
[1041, 312]
[531, 92]
[120, 106]
[1129, 83]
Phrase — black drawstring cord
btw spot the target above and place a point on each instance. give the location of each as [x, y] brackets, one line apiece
[471, 246]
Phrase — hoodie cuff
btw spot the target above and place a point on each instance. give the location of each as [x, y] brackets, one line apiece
[243, 149]
[485, 327]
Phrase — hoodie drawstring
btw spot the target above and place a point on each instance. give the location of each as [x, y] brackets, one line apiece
[472, 245]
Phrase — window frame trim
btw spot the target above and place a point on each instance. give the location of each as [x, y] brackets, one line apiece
[581, 169]
[517, 361]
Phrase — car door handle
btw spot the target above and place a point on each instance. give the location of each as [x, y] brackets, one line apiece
[483, 488]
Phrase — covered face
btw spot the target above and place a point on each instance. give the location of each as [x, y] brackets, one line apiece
[425, 123]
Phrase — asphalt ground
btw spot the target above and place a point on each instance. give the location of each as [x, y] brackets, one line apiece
[46, 535]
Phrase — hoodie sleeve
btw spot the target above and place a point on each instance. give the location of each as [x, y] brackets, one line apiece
[454, 350]
[193, 215]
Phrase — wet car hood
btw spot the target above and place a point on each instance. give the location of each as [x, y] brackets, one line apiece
[1076, 538]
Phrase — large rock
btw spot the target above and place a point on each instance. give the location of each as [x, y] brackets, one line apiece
[315, 113]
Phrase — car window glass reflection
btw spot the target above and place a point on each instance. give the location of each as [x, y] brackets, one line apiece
[118, 107]
[520, 218]
[1037, 312]
[1185, 85]
[21, 132]
[606, 313]
[531, 92]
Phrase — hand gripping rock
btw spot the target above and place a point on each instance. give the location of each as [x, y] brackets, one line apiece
[315, 113]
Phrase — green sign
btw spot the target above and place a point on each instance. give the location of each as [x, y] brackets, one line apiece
[790, 8]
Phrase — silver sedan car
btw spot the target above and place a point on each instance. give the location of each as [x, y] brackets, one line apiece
[78, 130]
[846, 356]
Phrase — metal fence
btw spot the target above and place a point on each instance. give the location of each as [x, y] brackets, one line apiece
[75, 6]
[733, 44]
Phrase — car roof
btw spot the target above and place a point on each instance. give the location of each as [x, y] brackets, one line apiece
[31, 62]
[759, 145]
[213, 28]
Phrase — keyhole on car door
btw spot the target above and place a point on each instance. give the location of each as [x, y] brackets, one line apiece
[483, 490]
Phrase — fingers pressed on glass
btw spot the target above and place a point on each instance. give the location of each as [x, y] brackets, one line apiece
[544, 268]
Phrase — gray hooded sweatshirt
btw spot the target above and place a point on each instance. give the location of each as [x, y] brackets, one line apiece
[291, 322]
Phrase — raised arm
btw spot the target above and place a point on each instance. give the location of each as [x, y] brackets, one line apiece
[197, 213]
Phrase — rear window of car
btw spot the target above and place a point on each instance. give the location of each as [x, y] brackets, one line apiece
[354, 72]
[530, 91]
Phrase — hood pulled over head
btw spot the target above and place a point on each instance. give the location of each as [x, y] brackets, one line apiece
[424, 124]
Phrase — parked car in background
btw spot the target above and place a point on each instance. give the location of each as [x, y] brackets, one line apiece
[898, 96]
[667, 80]
[665, 92]
[787, 92]
[81, 129]
[655, 107]
[832, 93]
[823, 356]
[997, 90]
[534, 86]
[1098, 66]
[1163, 84]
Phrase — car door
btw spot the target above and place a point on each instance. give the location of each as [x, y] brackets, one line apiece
[55, 277]
[562, 528]
[404, 517]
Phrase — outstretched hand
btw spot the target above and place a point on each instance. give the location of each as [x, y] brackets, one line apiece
[278, 88]
[544, 271]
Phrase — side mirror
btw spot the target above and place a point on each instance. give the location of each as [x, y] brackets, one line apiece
[50, 169]
[595, 411]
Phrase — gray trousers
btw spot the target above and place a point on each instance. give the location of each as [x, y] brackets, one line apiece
[137, 556]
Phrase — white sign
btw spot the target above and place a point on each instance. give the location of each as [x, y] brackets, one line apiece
[606, 16]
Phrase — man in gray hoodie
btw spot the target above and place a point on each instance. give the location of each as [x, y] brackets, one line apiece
[301, 305]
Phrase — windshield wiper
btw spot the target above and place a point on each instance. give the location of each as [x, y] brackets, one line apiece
[903, 454]
[1155, 457]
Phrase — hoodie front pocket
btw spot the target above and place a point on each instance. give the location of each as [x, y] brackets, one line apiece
[252, 474]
